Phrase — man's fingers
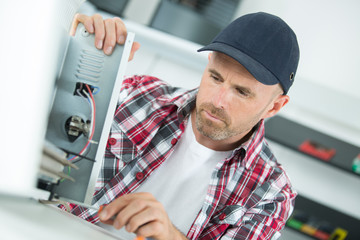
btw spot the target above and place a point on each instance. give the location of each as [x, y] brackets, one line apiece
[110, 36]
[149, 230]
[133, 209]
[87, 21]
[74, 25]
[107, 32]
[84, 19]
[113, 208]
[121, 32]
[108, 222]
[99, 31]
[117, 206]
[140, 213]
[142, 218]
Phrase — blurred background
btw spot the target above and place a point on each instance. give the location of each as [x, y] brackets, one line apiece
[316, 137]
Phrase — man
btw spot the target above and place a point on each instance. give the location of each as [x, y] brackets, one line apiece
[194, 164]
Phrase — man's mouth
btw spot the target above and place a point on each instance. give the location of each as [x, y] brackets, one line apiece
[212, 117]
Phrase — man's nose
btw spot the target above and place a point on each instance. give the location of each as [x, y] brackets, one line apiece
[221, 97]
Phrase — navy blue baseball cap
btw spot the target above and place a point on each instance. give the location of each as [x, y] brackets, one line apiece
[264, 44]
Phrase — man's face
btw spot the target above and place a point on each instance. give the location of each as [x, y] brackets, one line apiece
[231, 101]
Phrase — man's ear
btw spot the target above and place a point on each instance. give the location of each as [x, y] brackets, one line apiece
[278, 103]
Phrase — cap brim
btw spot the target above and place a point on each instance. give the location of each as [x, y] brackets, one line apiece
[261, 73]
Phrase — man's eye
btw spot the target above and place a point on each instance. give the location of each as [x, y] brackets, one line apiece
[242, 92]
[214, 77]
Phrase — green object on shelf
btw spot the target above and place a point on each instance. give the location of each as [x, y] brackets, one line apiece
[294, 224]
[356, 165]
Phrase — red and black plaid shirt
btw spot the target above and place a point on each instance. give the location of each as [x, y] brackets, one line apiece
[249, 195]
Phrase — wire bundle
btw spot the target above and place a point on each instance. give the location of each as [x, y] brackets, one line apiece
[91, 101]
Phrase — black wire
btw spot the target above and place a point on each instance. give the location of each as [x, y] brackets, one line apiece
[76, 154]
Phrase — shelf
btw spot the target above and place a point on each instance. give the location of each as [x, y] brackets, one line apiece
[313, 143]
[320, 222]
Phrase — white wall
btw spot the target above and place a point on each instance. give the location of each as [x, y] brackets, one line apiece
[141, 11]
[167, 57]
[328, 32]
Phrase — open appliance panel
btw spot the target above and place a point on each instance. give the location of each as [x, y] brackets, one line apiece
[82, 111]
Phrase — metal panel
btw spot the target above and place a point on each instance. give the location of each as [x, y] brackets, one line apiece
[85, 65]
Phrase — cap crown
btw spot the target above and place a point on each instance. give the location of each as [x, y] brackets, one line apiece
[264, 44]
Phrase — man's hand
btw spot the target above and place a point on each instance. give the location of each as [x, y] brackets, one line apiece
[108, 32]
[142, 214]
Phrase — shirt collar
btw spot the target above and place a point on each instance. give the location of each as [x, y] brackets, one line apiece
[185, 103]
[250, 149]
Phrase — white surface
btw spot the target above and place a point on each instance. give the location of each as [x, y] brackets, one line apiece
[30, 52]
[179, 50]
[26, 219]
[141, 11]
[329, 34]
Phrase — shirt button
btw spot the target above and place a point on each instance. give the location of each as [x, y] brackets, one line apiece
[222, 216]
[182, 127]
[112, 141]
[139, 175]
[174, 141]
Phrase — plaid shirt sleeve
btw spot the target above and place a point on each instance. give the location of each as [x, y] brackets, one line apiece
[261, 216]
[265, 219]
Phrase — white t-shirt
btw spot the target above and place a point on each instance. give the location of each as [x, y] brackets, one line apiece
[181, 182]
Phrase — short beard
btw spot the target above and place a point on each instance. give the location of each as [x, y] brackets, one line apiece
[211, 129]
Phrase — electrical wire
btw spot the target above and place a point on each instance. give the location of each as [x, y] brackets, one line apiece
[80, 156]
[91, 100]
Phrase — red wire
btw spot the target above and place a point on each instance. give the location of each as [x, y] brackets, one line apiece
[93, 124]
